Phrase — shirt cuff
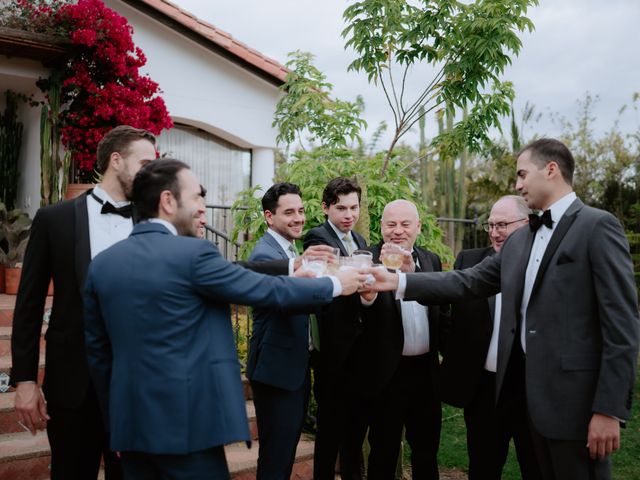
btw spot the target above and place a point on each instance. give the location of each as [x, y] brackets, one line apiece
[292, 262]
[402, 286]
[337, 286]
[26, 381]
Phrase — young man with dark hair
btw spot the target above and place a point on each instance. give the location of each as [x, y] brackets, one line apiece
[569, 329]
[159, 338]
[64, 238]
[278, 363]
[340, 427]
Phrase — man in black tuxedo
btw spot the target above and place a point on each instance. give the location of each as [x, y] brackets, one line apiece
[340, 428]
[397, 361]
[569, 328]
[468, 371]
[64, 238]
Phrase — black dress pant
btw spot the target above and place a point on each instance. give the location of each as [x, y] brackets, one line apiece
[490, 429]
[78, 442]
[341, 426]
[209, 464]
[280, 415]
[410, 401]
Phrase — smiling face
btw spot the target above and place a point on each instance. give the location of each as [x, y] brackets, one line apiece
[288, 218]
[504, 212]
[400, 224]
[190, 207]
[344, 213]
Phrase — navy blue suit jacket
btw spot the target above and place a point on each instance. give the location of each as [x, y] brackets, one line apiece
[160, 342]
[279, 345]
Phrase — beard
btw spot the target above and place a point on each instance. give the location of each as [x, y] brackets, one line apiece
[125, 180]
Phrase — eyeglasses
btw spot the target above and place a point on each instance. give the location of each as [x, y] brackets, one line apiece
[500, 226]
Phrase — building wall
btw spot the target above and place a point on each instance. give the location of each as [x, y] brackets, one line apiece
[200, 88]
[207, 91]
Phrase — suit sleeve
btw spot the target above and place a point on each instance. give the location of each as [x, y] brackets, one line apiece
[482, 280]
[269, 267]
[32, 294]
[311, 239]
[225, 282]
[618, 313]
[98, 344]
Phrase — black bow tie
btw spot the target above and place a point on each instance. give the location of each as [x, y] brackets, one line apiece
[536, 221]
[125, 211]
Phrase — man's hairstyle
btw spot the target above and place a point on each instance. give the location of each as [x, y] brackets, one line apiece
[547, 150]
[521, 204]
[153, 179]
[119, 140]
[271, 197]
[337, 187]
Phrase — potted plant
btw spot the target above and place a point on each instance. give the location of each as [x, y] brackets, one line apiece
[15, 226]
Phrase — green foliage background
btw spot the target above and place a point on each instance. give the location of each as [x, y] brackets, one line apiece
[311, 174]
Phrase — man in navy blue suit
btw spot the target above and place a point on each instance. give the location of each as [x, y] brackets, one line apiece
[278, 364]
[159, 337]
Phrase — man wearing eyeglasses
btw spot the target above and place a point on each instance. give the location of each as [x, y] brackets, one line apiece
[468, 372]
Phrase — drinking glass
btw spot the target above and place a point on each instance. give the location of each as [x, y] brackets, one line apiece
[317, 265]
[362, 258]
[393, 256]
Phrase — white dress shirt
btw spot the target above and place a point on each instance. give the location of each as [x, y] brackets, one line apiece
[415, 328]
[491, 362]
[543, 235]
[170, 226]
[105, 229]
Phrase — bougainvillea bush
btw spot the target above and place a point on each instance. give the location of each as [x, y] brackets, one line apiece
[101, 83]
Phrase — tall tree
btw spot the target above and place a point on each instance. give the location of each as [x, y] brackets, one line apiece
[468, 44]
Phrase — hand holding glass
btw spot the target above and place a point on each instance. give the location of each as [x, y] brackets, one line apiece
[393, 256]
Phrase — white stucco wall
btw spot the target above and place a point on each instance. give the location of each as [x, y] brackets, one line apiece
[20, 75]
[205, 90]
[200, 88]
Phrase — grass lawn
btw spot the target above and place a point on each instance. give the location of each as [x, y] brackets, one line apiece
[453, 453]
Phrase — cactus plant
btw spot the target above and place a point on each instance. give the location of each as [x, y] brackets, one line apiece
[10, 143]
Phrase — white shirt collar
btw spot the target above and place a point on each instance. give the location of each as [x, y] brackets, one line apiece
[283, 242]
[99, 192]
[169, 225]
[559, 208]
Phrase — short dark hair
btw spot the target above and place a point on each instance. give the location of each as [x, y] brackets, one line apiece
[119, 140]
[547, 150]
[337, 187]
[271, 197]
[153, 179]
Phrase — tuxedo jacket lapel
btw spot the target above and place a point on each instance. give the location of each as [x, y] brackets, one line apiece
[561, 230]
[336, 242]
[273, 243]
[82, 243]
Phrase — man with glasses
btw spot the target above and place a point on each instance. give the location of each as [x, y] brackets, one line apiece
[468, 372]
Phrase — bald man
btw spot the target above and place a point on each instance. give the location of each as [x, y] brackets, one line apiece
[468, 372]
[398, 359]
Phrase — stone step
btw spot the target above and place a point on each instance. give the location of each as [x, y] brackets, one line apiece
[5, 367]
[9, 421]
[243, 461]
[5, 339]
[8, 304]
[24, 456]
[27, 457]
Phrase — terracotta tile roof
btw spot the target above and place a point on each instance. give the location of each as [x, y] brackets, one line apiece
[238, 51]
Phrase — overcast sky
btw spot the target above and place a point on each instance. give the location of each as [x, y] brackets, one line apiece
[578, 46]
